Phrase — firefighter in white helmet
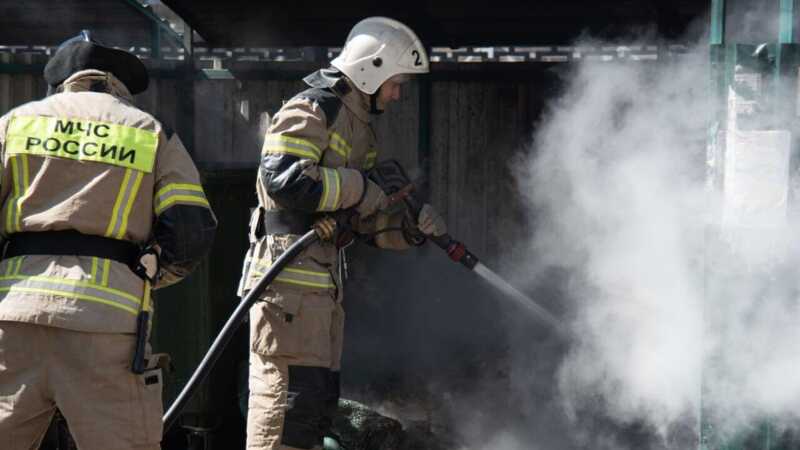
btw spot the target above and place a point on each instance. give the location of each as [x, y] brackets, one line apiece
[315, 155]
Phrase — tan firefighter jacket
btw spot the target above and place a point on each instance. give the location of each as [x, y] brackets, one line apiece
[313, 160]
[86, 159]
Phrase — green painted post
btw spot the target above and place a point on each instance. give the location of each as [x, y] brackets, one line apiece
[787, 34]
[717, 22]
[717, 53]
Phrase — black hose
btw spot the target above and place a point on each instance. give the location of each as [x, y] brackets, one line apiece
[230, 327]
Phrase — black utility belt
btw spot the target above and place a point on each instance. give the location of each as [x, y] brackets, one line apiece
[282, 221]
[70, 242]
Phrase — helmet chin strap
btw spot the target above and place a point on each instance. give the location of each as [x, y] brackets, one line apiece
[373, 105]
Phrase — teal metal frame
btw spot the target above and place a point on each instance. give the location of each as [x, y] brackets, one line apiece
[724, 57]
[160, 27]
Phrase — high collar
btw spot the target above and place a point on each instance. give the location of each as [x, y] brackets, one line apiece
[95, 81]
[356, 101]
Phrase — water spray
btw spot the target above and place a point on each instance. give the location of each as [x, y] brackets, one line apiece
[393, 179]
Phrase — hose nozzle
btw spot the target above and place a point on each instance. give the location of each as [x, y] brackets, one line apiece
[456, 250]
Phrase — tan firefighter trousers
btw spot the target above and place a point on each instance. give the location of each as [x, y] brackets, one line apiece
[294, 366]
[87, 376]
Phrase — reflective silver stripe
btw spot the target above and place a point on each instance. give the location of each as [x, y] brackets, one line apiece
[331, 189]
[100, 269]
[299, 277]
[77, 289]
[279, 144]
[127, 190]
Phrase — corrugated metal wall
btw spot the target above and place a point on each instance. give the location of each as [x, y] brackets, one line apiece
[409, 314]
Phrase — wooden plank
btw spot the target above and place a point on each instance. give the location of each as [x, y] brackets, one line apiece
[24, 89]
[246, 130]
[476, 177]
[149, 99]
[5, 86]
[168, 102]
[213, 130]
[440, 139]
[397, 129]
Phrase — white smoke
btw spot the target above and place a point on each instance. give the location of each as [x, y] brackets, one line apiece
[618, 183]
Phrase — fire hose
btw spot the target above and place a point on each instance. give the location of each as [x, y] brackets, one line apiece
[230, 327]
[391, 177]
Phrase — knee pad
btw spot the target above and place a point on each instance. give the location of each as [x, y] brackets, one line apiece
[307, 417]
[333, 393]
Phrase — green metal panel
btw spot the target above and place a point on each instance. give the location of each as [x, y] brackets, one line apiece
[190, 314]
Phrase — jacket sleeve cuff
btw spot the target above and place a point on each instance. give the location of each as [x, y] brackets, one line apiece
[352, 187]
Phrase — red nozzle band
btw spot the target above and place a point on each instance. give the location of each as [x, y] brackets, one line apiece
[456, 251]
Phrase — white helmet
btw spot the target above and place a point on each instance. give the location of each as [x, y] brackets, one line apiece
[377, 49]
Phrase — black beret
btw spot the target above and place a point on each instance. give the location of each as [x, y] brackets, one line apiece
[82, 55]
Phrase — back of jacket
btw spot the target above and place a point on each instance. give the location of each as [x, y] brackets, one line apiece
[90, 162]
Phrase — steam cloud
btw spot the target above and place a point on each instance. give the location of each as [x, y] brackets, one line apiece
[675, 308]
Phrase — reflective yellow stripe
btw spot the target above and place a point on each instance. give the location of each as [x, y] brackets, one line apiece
[340, 146]
[106, 270]
[89, 298]
[13, 265]
[102, 277]
[83, 140]
[25, 185]
[372, 155]
[288, 280]
[183, 199]
[279, 144]
[112, 224]
[126, 197]
[331, 189]
[22, 191]
[179, 192]
[94, 269]
[129, 205]
[18, 265]
[300, 277]
[179, 187]
[73, 283]
[11, 203]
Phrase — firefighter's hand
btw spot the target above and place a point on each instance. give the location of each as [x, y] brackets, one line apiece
[372, 200]
[430, 222]
[326, 228]
[149, 262]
